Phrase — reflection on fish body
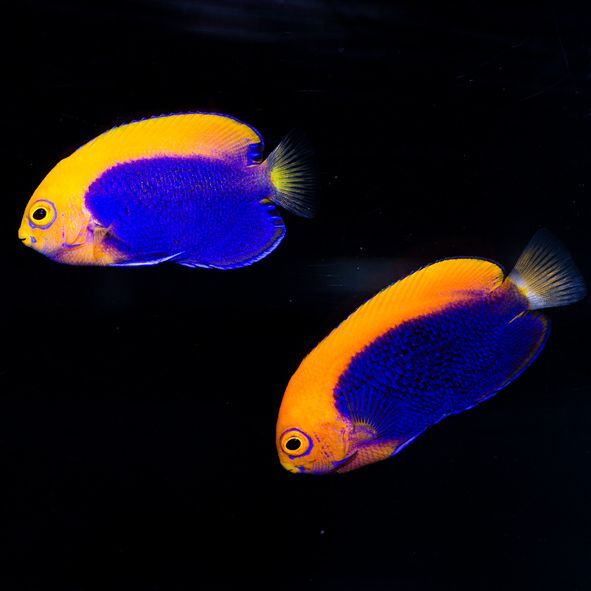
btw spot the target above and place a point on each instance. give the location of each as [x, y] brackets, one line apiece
[188, 188]
[436, 343]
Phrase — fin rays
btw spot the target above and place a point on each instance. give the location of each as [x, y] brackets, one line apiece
[546, 273]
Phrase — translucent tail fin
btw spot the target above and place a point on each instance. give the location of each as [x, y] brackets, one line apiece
[291, 172]
[546, 273]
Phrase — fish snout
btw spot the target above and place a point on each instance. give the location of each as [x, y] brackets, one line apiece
[26, 239]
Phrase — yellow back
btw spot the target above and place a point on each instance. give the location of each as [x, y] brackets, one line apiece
[426, 291]
[174, 135]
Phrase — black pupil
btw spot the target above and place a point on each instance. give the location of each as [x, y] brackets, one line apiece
[293, 444]
[39, 214]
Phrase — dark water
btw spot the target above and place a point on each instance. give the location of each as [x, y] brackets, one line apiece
[138, 406]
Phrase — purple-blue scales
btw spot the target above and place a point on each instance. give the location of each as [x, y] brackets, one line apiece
[201, 211]
[439, 364]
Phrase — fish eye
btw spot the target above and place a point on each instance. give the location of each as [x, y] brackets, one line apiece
[295, 442]
[42, 214]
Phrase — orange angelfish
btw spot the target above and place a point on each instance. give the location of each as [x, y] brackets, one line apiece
[435, 343]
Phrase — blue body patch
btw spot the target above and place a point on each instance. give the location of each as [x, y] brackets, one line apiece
[194, 210]
[440, 364]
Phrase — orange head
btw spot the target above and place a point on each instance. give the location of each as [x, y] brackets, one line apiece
[54, 220]
[315, 449]
[57, 224]
[312, 437]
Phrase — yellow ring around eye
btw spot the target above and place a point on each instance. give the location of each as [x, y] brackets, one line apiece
[294, 443]
[42, 214]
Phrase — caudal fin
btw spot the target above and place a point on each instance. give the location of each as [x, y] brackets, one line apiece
[291, 173]
[546, 273]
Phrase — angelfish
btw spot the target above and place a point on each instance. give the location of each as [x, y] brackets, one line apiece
[189, 188]
[433, 344]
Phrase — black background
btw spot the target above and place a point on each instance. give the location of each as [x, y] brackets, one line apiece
[138, 406]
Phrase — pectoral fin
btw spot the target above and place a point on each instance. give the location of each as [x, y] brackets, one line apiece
[73, 234]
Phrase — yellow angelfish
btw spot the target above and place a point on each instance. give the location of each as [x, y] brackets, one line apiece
[188, 188]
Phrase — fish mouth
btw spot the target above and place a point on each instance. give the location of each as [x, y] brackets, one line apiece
[343, 463]
[25, 237]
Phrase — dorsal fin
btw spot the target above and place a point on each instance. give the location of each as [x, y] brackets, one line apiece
[197, 134]
[425, 291]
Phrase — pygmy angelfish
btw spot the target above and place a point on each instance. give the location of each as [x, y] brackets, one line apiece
[435, 343]
[187, 188]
